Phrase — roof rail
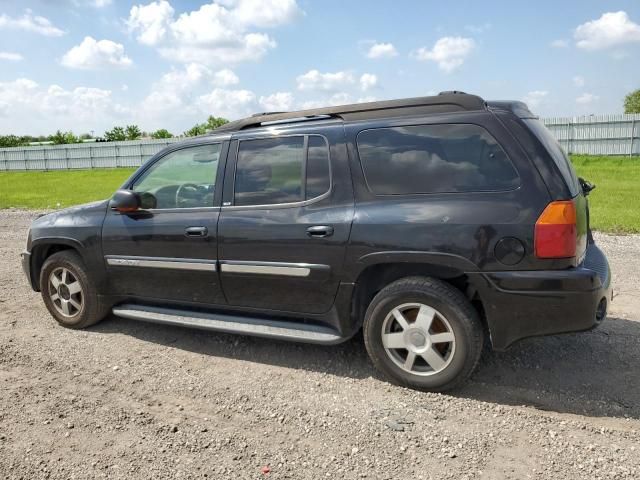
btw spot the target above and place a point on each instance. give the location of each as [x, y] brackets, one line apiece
[442, 103]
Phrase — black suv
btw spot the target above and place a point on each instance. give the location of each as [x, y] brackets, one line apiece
[435, 224]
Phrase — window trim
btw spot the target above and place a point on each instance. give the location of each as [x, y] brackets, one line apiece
[473, 192]
[224, 150]
[300, 203]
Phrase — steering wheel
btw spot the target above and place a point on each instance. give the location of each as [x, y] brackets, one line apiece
[190, 189]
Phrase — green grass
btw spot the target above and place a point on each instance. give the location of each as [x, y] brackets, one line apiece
[59, 189]
[614, 204]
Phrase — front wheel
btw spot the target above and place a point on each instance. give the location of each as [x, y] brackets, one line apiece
[69, 293]
[423, 333]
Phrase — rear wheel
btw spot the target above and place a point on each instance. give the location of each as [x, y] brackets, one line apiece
[68, 292]
[423, 333]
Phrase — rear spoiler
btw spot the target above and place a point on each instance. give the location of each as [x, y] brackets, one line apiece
[519, 109]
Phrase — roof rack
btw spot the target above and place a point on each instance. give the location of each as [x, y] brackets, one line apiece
[452, 101]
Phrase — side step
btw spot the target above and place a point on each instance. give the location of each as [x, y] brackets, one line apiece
[297, 332]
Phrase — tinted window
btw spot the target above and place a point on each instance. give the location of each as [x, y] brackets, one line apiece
[434, 159]
[269, 171]
[557, 153]
[318, 178]
[182, 179]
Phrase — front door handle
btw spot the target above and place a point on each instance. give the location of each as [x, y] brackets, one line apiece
[320, 231]
[196, 231]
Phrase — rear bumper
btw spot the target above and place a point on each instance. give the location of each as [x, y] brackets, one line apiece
[531, 303]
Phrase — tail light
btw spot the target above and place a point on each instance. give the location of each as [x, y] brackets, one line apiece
[556, 231]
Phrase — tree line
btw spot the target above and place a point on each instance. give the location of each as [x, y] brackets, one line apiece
[116, 134]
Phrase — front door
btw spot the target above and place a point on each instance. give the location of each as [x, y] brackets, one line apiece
[285, 221]
[168, 250]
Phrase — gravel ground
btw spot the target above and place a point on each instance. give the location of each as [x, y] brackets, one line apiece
[135, 400]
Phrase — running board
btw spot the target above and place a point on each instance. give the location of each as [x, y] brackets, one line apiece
[292, 331]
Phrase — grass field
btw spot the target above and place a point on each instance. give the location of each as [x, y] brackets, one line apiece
[615, 203]
[58, 189]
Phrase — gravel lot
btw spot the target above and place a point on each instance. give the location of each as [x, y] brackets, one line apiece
[135, 400]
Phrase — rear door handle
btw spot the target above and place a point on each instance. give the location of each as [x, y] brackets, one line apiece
[196, 231]
[319, 231]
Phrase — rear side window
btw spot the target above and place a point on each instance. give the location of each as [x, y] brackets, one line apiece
[273, 171]
[434, 159]
[558, 154]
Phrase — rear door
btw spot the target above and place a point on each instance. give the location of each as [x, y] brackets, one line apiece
[285, 220]
[168, 250]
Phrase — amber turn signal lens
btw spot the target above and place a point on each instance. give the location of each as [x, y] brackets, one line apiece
[556, 231]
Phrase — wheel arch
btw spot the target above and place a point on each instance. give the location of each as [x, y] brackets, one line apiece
[43, 248]
[379, 270]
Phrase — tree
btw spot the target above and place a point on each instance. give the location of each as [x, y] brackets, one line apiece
[132, 132]
[13, 141]
[215, 122]
[162, 133]
[632, 102]
[201, 128]
[63, 138]
[116, 134]
[198, 129]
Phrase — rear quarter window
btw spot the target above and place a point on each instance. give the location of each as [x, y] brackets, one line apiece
[434, 159]
[557, 153]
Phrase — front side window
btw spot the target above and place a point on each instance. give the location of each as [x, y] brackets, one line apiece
[185, 178]
[274, 171]
[434, 159]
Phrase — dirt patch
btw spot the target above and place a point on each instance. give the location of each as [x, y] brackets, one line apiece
[134, 400]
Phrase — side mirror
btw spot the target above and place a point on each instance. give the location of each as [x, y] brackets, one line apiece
[125, 201]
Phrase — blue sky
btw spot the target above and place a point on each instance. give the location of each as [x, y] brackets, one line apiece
[87, 65]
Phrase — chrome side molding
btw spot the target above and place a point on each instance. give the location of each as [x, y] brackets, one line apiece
[260, 327]
[161, 262]
[272, 268]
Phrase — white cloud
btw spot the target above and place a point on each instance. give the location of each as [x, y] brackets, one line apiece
[46, 108]
[448, 52]
[382, 50]
[610, 30]
[230, 104]
[216, 33]
[560, 43]
[10, 56]
[277, 102]
[578, 81]
[175, 89]
[315, 80]
[534, 99]
[225, 78]
[150, 21]
[368, 81]
[587, 98]
[93, 55]
[263, 13]
[31, 23]
[340, 98]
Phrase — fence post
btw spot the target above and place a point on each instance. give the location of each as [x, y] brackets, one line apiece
[66, 156]
[44, 155]
[569, 136]
[91, 156]
[631, 136]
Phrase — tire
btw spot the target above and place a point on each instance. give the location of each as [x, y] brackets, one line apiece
[74, 302]
[427, 307]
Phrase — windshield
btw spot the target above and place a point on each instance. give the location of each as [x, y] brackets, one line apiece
[557, 153]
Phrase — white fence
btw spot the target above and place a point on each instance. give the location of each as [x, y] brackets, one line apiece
[82, 155]
[592, 135]
[598, 134]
